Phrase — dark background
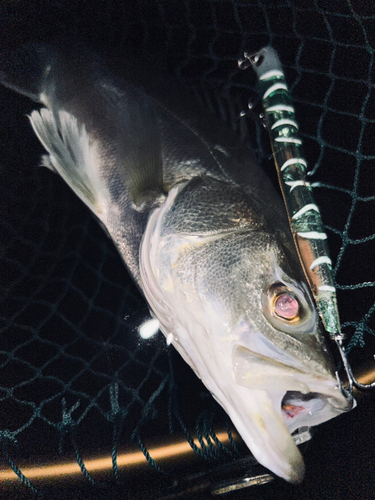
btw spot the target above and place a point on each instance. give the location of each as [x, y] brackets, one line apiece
[68, 310]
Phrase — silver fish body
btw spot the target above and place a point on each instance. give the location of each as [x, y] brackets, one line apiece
[203, 234]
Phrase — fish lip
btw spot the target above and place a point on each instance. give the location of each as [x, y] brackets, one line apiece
[311, 382]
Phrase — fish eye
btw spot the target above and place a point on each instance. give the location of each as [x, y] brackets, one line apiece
[286, 306]
[283, 303]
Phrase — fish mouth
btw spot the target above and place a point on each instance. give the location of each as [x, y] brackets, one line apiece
[300, 410]
[271, 400]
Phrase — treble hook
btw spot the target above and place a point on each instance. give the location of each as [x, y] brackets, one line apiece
[353, 382]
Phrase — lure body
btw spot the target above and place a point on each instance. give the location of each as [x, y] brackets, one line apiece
[304, 217]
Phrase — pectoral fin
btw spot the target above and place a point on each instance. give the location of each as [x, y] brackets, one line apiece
[72, 156]
[138, 142]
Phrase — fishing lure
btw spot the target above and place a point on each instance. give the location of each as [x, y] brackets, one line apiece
[304, 217]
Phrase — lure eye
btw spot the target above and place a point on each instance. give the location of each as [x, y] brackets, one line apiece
[286, 306]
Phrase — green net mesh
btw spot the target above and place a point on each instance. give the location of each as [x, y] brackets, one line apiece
[72, 366]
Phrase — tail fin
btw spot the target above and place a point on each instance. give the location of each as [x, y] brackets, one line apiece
[72, 156]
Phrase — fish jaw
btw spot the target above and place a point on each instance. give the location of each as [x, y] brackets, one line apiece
[287, 399]
[308, 398]
[256, 414]
[266, 392]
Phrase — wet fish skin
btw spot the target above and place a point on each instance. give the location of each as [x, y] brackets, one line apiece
[203, 234]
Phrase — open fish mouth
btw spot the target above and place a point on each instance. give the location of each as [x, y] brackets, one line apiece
[274, 400]
[300, 409]
[257, 371]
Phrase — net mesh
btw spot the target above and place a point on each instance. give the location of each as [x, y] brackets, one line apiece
[73, 368]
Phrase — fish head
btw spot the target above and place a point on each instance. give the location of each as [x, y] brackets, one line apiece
[231, 296]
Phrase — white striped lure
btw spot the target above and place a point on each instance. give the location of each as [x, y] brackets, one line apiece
[304, 217]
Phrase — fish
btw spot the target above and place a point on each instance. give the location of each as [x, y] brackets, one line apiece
[202, 232]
